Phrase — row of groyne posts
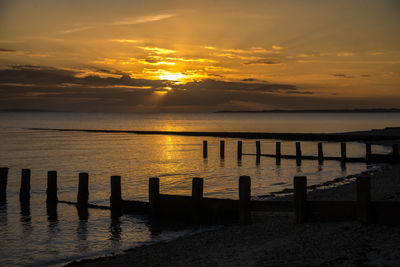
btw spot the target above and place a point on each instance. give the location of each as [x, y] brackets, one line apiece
[369, 156]
[199, 209]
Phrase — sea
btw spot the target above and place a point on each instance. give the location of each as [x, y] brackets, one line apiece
[29, 236]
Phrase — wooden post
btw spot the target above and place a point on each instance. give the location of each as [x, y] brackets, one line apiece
[24, 192]
[258, 152]
[278, 149]
[298, 153]
[258, 148]
[395, 151]
[3, 180]
[300, 198]
[343, 151]
[197, 195]
[83, 190]
[222, 149]
[368, 151]
[197, 188]
[244, 199]
[239, 150]
[320, 152]
[258, 160]
[278, 153]
[51, 190]
[363, 199]
[115, 198]
[205, 149]
[154, 196]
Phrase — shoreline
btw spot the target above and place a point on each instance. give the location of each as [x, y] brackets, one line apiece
[274, 238]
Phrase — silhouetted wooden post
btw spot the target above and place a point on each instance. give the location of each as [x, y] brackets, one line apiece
[258, 148]
[51, 190]
[24, 192]
[244, 199]
[116, 197]
[395, 148]
[368, 151]
[3, 180]
[258, 152]
[205, 149]
[363, 199]
[278, 149]
[239, 150]
[197, 188]
[154, 196]
[83, 190]
[197, 195]
[300, 198]
[320, 152]
[298, 153]
[343, 152]
[222, 149]
[278, 153]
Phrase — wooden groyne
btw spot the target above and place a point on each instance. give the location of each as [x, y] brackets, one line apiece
[299, 156]
[335, 137]
[199, 209]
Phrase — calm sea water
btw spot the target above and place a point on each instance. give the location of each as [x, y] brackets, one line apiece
[31, 237]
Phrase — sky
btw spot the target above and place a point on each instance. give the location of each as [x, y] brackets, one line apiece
[199, 56]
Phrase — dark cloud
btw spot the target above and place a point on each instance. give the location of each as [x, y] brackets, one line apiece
[299, 92]
[46, 76]
[342, 75]
[210, 84]
[249, 80]
[262, 61]
[38, 87]
[6, 50]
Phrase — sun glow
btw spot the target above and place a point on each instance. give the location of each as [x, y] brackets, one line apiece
[170, 76]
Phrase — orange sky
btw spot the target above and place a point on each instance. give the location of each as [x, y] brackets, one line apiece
[199, 56]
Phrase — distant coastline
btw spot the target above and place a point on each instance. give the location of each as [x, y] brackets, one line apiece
[377, 110]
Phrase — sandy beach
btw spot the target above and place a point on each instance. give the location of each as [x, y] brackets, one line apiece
[274, 239]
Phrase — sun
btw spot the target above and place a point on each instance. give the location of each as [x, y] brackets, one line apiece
[170, 76]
